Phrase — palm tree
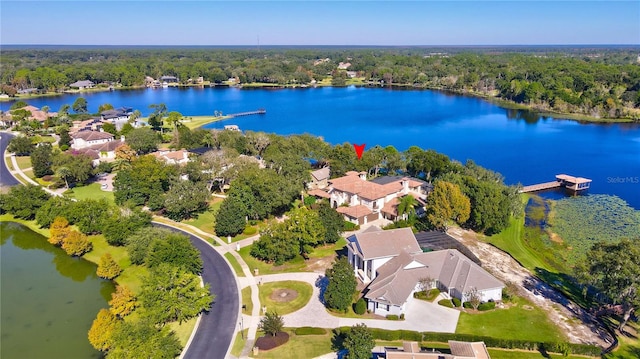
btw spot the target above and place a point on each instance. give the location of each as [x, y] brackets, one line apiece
[64, 173]
[407, 206]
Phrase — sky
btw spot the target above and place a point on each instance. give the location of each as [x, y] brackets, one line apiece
[383, 23]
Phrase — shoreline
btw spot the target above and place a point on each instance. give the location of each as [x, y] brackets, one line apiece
[503, 103]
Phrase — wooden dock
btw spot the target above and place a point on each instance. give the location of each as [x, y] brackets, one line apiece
[565, 181]
[260, 111]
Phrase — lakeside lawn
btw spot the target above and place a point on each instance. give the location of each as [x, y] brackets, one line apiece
[522, 320]
[270, 296]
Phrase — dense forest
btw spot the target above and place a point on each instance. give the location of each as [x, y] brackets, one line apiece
[597, 82]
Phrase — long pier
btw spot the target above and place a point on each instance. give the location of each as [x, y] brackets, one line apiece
[569, 182]
[260, 111]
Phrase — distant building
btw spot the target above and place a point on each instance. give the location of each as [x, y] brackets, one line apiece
[172, 157]
[84, 84]
[319, 179]
[169, 79]
[344, 65]
[117, 116]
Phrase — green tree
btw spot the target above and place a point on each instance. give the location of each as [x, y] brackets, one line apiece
[275, 245]
[102, 330]
[185, 198]
[122, 302]
[64, 174]
[173, 119]
[170, 293]
[76, 244]
[89, 214]
[42, 159]
[23, 201]
[107, 267]
[145, 178]
[271, 323]
[359, 342]
[342, 285]
[177, 250]
[110, 128]
[79, 166]
[143, 140]
[614, 269]
[139, 243]
[54, 207]
[65, 138]
[446, 205]
[80, 105]
[332, 221]
[104, 107]
[230, 219]
[305, 227]
[407, 206]
[20, 145]
[143, 340]
[119, 226]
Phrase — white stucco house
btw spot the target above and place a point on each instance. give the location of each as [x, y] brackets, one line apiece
[393, 265]
[373, 199]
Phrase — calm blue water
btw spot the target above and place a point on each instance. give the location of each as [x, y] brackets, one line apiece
[49, 299]
[521, 146]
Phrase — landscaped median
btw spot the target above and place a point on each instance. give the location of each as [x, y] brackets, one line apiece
[285, 297]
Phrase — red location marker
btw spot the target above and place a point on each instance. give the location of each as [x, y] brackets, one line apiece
[359, 149]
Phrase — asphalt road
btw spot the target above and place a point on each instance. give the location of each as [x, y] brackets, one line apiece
[6, 179]
[216, 328]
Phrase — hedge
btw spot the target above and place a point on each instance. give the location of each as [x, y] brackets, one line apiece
[467, 305]
[310, 331]
[392, 317]
[487, 306]
[395, 335]
[445, 303]
[456, 302]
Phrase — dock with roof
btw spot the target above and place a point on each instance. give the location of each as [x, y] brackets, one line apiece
[572, 183]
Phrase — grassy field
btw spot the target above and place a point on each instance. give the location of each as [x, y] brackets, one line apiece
[522, 320]
[523, 354]
[303, 289]
[234, 264]
[238, 344]
[206, 221]
[23, 161]
[90, 191]
[183, 331]
[300, 346]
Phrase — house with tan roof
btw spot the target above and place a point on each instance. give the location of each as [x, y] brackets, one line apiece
[319, 178]
[377, 195]
[394, 266]
[459, 350]
[83, 139]
[37, 114]
[172, 157]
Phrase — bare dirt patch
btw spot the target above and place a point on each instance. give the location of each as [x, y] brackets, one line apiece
[320, 264]
[283, 295]
[578, 325]
[555, 238]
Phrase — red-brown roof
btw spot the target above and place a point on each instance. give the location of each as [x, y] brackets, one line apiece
[358, 211]
[319, 193]
[92, 135]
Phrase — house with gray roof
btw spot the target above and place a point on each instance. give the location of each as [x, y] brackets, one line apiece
[394, 266]
[84, 84]
[319, 179]
[459, 350]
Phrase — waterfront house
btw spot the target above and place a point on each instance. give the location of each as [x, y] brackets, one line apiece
[84, 84]
[117, 116]
[394, 267]
[370, 197]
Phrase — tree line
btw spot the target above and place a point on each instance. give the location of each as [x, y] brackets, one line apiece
[594, 82]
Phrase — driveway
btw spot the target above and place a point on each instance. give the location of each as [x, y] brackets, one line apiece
[6, 179]
[213, 336]
[420, 315]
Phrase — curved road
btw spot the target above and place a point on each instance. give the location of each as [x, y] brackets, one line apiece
[215, 331]
[6, 179]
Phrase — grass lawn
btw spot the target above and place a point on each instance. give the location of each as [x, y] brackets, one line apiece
[32, 225]
[522, 320]
[303, 289]
[9, 163]
[234, 264]
[246, 300]
[629, 347]
[523, 354]
[303, 346]
[90, 191]
[238, 344]
[183, 331]
[298, 264]
[23, 161]
[29, 173]
[206, 220]
[184, 228]
[192, 122]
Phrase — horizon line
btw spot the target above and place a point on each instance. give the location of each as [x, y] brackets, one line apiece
[331, 45]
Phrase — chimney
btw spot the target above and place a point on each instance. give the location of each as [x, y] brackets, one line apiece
[121, 138]
[405, 185]
[363, 176]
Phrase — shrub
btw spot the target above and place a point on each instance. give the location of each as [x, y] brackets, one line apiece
[310, 331]
[445, 303]
[360, 307]
[272, 341]
[487, 306]
[392, 317]
[467, 305]
[456, 302]
[348, 226]
[249, 231]
[420, 295]
[402, 316]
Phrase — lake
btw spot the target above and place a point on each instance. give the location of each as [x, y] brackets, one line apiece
[49, 299]
[524, 147]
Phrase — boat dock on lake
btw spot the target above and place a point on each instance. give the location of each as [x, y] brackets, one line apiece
[569, 182]
[260, 111]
